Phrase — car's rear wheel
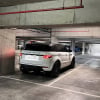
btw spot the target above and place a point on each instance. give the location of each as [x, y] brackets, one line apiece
[23, 70]
[56, 70]
[73, 63]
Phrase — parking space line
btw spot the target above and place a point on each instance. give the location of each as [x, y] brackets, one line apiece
[59, 78]
[77, 92]
[97, 59]
[86, 62]
[16, 79]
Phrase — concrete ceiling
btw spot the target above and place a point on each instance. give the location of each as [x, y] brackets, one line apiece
[4, 3]
[64, 40]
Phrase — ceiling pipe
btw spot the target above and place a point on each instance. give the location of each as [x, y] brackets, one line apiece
[81, 3]
[42, 10]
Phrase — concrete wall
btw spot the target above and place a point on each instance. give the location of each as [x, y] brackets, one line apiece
[7, 51]
[88, 14]
[94, 49]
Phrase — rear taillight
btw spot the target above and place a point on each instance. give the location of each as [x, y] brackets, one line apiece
[20, 54]
[47, 56]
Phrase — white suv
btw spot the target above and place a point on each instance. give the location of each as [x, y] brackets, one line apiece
[40, 56]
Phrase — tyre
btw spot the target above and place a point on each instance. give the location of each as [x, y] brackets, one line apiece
[56, 70]
[23, 70]
[73, 63]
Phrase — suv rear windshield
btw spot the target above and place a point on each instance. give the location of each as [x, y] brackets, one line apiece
[45, 47]
[37, 47]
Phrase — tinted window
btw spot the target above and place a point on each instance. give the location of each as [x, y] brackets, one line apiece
[67, 49]
[58, 48]
[45, 47]
[37, 47]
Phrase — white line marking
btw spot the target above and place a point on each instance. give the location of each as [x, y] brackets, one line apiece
[59, 78]
[21, 80]
[97, 59]
[77, 92]
[85, 62]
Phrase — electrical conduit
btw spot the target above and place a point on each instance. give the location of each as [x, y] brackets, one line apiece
[42, 10]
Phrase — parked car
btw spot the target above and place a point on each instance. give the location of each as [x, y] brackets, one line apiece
[40, 56]
[78, 49]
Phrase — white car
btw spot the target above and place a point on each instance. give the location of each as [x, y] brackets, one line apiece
[43, 57]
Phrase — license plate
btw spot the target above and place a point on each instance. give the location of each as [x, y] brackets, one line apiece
[31, 57]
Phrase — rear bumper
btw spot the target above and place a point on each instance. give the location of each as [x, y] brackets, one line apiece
[30, 67]
[33, 68]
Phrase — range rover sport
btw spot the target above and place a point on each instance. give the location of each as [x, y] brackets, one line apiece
[41, 56]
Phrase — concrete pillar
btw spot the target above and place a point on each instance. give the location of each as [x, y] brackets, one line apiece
[83, 48]
[73, 46]
[23, 44]
[7, 51]
[16, 42]
[53, 38]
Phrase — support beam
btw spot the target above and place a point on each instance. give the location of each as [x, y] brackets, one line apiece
[73, 47]
[83, 48]
[53, 38]
[7, 51]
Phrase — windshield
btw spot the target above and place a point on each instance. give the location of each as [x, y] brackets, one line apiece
[46, 47]
[37, 47]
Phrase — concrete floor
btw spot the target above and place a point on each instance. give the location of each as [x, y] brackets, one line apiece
[80, 83]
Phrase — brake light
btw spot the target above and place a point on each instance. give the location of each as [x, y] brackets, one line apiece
[47, 56]
[20, 54]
